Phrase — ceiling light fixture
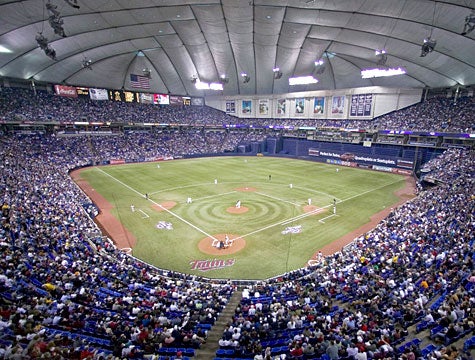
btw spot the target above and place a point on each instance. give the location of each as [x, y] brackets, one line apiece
[428, 46]
[469, 24]
[43, 44]
[207, 86]
[73, 3]
[382, 57]
[223, 79]
[245, 78]
[147, 72]
[4, 50]
[302, 80]
[87, 64]
[320, 66]
[277, 73]
[55, 19]
[373, 73]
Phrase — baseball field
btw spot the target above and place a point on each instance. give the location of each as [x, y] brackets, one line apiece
[236, 217]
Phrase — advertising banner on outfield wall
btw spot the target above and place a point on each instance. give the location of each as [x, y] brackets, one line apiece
[380, 163]
[405, 164]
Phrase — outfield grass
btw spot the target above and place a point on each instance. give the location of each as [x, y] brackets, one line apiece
[268, 252]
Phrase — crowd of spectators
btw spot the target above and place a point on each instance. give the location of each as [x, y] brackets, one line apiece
[149, 145]
[59, 276]
[415, 267]
[65, 291]
[434, 114]
[20, 104]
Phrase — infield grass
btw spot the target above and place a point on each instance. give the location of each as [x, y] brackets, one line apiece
[274, 206]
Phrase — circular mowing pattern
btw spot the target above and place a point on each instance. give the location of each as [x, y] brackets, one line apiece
[218, 215]
[237, 210]
[206, 245]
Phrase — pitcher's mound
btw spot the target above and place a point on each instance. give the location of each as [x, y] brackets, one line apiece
[206, 245]
[235, 210]
[166, 205]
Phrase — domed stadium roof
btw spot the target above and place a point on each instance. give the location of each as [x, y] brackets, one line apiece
[174, 42]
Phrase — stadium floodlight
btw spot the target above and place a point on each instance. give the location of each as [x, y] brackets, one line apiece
[382, 57]
[87, 64]
[245, 78]
[302, 80]
[223, 79]
[41, 40]
[73, 3]
[277, 73]
[200, 85]
[147, 72]
[469, 24]
[320, 66]
[373, 73]
[216, 86]
[428, 46]
[43, 44]
[4, 50]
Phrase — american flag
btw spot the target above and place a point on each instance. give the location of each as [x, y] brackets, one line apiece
[138, 81]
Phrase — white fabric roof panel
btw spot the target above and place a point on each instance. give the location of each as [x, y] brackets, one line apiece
[210, 38]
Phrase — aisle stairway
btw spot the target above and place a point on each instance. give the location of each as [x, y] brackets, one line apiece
[208, 350]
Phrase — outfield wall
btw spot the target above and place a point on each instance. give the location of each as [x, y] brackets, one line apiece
[389, 158]
[382, 157]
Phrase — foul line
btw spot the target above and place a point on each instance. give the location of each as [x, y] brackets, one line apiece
[160, 206]
[368, 191]
[316, 211]
[283, 222]
[255, 231]
[327, 217]
[301, 216]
